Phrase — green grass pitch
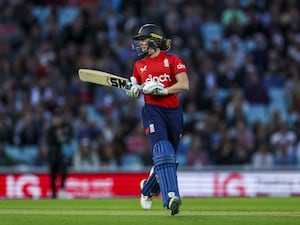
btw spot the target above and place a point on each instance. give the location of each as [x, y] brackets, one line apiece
[127, 211]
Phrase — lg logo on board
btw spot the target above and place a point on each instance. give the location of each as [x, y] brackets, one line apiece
[23, 186]
[229, 185]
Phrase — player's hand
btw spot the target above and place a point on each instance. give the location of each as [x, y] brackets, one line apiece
[134, 90]
[154, 88]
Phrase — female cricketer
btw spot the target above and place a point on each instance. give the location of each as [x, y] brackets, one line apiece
[161, 76]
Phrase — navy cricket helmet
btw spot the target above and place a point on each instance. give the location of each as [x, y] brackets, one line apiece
[155, 35]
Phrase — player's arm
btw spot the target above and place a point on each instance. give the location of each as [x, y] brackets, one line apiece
[181, 85]
[156, 88]
[134, 90]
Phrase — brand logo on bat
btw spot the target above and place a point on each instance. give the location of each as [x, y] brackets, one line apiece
[116, 82]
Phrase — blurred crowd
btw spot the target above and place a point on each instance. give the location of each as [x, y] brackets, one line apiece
[243, 60]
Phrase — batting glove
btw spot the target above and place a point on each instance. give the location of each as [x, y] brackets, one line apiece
[134, 90]
[154, 88]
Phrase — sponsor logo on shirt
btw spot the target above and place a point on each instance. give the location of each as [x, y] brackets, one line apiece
[180, 66]
[143, 69]
[161, 78]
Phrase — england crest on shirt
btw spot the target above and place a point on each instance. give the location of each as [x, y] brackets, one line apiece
[166, 63]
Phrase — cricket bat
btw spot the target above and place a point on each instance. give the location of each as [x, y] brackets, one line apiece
[103, 78]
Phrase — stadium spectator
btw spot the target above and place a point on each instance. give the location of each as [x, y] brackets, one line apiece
[273, 77]
[6, 128]
[283, 155]
[298, 153]
[233, 18]
[283, 143]
[243, 135]
[261, 133]
[42, 159]
[58, 134]
[292, 90]
[293, 51]
[259, 52]
[136, 142]
[91, 131]
[108, 159]
[262, 158]
[5, 160]
[216, 53]
[225, 152]
[197, 156]
[217, 137]
[86, 158]
[254, 91]
[27, 132]
[237, 107]
[274, 120]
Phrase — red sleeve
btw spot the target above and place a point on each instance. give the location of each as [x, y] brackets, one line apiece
[136, 73]
[178, 65]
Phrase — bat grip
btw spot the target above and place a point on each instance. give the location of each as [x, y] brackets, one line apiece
[129, 85]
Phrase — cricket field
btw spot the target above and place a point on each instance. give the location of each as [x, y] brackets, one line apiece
[127, 211]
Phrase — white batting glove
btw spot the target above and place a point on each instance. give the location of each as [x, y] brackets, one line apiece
[134, 90]
[161, 91]
[151, 86]
[154, 88]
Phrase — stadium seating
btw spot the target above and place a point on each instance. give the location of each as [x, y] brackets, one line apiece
[29, 153]
[257, 112]
[22, 154]
[94, 115]
[278, 102]
[209, 32]
[67, 15]
[131, 162]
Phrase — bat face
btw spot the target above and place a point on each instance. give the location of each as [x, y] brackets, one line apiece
[117, 82]
[103, 78]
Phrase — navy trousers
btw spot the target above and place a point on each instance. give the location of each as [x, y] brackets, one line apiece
[162, 124]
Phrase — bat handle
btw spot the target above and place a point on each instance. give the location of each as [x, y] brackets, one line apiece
[129, 85]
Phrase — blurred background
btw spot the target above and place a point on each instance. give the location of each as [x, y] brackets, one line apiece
[243, 60]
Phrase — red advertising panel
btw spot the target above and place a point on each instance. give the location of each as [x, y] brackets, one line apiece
[78, 185]
[191, 184]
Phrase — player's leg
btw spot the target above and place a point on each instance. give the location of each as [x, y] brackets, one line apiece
[165, 169]
[174, 131]
[53, 172]
[174, 135]
[155, 126]
[63, 173]
[149, 188]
